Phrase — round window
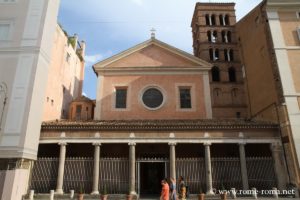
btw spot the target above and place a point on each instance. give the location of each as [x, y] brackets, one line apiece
[152, 98]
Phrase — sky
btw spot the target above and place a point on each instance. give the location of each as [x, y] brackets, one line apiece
[111, 26]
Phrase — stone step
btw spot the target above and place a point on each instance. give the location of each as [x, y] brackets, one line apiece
[123, 197]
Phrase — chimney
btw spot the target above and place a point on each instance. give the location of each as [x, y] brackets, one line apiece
[82, 45]
[76, 40]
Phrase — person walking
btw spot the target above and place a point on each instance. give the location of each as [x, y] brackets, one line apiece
[182, 189]
[165, 190]
[173, 189]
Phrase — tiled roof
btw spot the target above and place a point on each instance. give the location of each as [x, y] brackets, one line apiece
[83, 99]
[158, 125]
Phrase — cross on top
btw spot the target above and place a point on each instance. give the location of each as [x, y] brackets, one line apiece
[153, 33]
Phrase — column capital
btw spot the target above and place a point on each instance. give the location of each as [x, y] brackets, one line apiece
[96, 144]
[276, 146]
[62, 144]
[172, 143]
[131, 143]
[207, 143]
[242, 143]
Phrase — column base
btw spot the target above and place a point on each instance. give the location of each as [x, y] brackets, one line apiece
[133, 193]
[95, 193]
[59, 191]
[210, 193]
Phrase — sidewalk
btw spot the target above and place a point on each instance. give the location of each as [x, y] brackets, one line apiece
[123, 197]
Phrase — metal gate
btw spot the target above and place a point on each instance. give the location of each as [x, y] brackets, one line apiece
[2, 181]
[44, 175]
[193, 171]
[115, 178]
[261, 173]
[226, 172]
[79, 174]
[114, 175]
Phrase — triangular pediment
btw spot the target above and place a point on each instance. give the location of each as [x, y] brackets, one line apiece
[152, 54]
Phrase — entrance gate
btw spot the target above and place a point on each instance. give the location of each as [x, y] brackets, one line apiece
[149, 173]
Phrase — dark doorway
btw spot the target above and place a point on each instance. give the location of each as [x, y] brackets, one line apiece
[151, 174]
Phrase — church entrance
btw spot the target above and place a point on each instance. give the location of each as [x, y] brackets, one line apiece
[150, 174]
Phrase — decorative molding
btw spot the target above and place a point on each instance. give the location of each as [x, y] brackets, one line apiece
[206, 135]
[162, 140]
[172, 135]
[97, 135]
[132, 135]
[14, 163]
[63, 135]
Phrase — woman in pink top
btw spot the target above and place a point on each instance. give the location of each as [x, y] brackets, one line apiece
[164, 190]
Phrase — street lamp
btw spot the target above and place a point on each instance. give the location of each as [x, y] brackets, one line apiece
[3, 92]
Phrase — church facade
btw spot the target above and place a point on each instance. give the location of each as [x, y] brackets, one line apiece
[153, 119]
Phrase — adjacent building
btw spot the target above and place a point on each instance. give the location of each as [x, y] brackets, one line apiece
[26, 27]
[65, 76]
[269, 39]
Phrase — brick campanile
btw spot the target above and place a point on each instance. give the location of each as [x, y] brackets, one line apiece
[214, 40]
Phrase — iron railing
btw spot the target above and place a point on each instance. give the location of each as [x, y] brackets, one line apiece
[261, 173]
[115, 179]
[193, 171]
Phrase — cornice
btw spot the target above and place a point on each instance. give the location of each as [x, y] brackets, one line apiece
[283, 4]
[155, 125]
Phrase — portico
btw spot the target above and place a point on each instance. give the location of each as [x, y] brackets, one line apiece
[180, 152]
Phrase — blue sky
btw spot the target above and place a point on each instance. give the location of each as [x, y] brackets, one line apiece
[111, 26]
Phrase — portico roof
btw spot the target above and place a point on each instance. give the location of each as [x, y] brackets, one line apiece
[157, 125]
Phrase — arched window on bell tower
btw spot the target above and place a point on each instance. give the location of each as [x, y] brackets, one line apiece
[229, 36]
[213, 20]
[209, 36]
[232, 74]
[215, 74]
[207, 20]
[227, 23]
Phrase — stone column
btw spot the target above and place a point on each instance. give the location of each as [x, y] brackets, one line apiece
[209, 189]
[210, 21]
[132, 168]
[228, 55]
[96, 168]
[223, 18]
[172, 160]
[279, 166]
[226, 37]
[61, 168]
[214, 54]
[243, 166]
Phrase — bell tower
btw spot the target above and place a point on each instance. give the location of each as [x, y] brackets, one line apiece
[214, 40]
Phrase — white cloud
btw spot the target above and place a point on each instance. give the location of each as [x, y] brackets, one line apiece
[92, 59]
